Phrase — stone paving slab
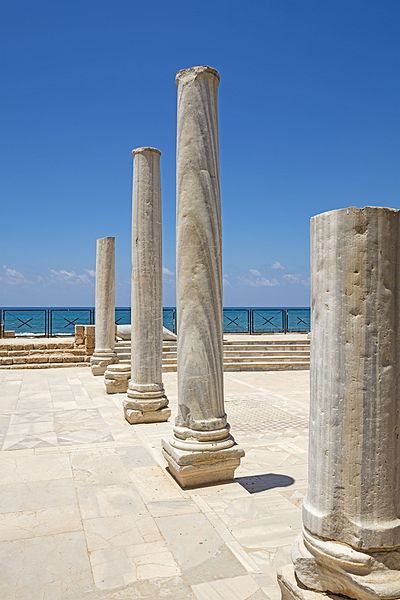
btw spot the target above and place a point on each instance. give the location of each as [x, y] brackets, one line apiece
[87, 509]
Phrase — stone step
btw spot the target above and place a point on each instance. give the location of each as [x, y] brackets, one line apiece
[42, 352]
[253, 366]
[251, 359]
[46, 365]
[263, 352]
[267, 366]
[123, 356]
[42, 346]
[253, 351]
[36, 359]
[256, 342]
[274, 347]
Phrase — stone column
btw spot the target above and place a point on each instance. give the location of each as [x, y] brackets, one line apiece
[202, 450]
[104, 353]
[350, 543]
[146, 401]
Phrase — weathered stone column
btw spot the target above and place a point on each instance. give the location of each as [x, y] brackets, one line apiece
[146, 402]
[201, 450]
[104, 353]
[351, 528]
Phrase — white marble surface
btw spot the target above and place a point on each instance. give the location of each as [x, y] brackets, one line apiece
[98, 508]
[202, 449]
[351, 513]
[146, 401]
[104, 353]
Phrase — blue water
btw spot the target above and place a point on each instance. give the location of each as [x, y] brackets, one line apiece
[62, 321]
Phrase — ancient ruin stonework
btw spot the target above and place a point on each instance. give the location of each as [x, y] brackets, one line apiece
[202, 450]
[146, 401]
[351, 527]
[104, 353]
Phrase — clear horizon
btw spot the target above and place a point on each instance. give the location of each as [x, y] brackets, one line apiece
[309, 121]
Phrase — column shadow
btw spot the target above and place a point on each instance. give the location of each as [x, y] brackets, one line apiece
[268, 481]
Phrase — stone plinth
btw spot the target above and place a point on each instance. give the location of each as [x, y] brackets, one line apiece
[202, 449]
[146, 400]
[351, 528]
[292, 589]
[104, 353]
[116, 378]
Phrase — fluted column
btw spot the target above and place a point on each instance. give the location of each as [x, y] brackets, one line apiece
[351, 528]
[146, 400]
[104, 353]
[202, 450]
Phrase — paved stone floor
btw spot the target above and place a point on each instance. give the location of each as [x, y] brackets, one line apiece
[87, 509]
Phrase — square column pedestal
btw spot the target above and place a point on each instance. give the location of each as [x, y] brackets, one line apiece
[116, 378]
[195, 466]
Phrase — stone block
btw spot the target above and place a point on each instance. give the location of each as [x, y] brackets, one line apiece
[55, 358]
[79, 335]
[134, 416]
[37, 359]
[68, 358]
[116, 378]
[7, 360]
[115, 386]
[193, 469]
[292, 589]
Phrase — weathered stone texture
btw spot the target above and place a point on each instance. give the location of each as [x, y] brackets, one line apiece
[201, 430]
[146, 400]
[104, 353]
[351, 539]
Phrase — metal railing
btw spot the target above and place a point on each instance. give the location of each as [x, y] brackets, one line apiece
[53, 322]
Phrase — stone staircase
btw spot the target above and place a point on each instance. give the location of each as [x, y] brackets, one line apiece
[239, 355]
[42, 355]
[243, 355]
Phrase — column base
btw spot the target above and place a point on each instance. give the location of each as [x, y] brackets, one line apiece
[116, 378]
[193, 468]
[100, 361]
[336, 568]
[292, 589]
[134, 416]
[146, 403]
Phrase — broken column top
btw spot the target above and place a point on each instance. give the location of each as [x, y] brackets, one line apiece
[191, 73]
[356, 209]
[145, 149]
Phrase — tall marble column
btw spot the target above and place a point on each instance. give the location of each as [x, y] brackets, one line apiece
[146, 401]
[202, 450]
[350, 543]
[104, 353]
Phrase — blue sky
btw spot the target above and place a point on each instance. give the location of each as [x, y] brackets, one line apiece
[309, 122]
